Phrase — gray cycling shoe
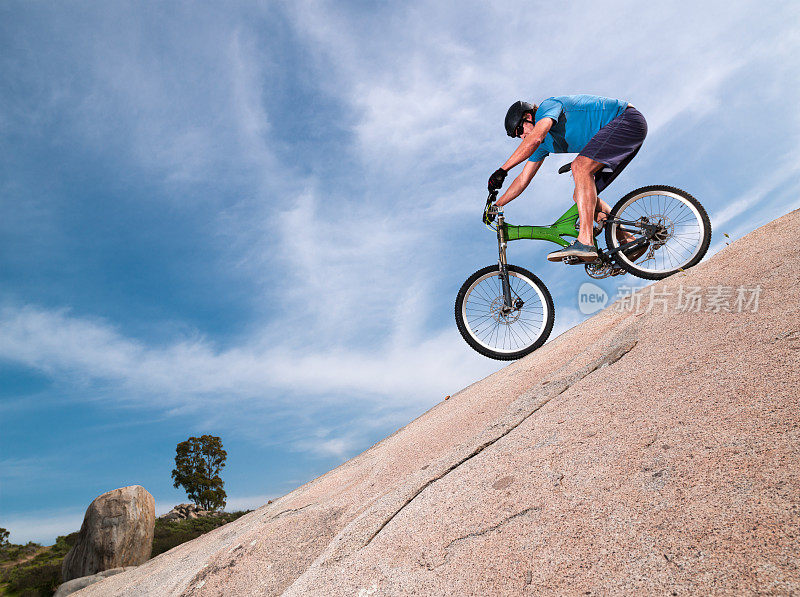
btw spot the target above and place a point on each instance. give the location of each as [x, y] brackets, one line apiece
[576, 249]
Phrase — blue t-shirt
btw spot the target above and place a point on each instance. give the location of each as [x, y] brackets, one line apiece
[577, 119]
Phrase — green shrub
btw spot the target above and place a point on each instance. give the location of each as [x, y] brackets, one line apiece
[171, 533]
[11, 552]
[34, 579]
[63, 544]
[41, 574]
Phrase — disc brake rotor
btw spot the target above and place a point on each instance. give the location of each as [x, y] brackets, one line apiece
[666, 228]
[496, 309]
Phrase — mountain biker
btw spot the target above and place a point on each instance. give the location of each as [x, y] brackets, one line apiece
[605, 133]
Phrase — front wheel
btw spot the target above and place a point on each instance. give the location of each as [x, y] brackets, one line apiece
[496, 332]
[682, 238]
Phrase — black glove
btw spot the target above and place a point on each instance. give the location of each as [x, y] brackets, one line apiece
[496, 179]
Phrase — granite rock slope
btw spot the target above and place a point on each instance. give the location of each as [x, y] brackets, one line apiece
[645, 451]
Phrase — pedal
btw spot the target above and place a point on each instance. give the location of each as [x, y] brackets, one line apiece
[572, 260]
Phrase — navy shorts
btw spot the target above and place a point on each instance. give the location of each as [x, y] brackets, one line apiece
[616, 144]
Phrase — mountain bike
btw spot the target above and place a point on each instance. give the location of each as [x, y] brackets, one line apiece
[505, 312]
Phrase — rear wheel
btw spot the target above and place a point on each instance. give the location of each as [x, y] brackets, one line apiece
[683, 237]
[490, 330]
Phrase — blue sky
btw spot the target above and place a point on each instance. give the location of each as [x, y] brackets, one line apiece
[251, 219]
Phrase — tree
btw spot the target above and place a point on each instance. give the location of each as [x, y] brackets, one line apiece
[198, 462]
[4, 537]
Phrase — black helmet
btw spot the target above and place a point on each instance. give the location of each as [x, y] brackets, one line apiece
[515, 115]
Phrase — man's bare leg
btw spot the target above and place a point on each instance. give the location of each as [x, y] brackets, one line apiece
[585, 195]
[601, 214]
[583, 171]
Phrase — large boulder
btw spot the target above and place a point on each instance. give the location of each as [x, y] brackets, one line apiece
[117, 531]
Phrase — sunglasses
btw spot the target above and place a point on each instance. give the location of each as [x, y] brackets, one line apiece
[519, 130]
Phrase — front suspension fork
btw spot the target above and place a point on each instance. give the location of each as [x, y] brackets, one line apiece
[508, 303]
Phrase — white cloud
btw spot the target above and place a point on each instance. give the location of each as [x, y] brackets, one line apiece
[338, 447]
[432, 88]
[191, 372]
[20, 468]
[765, 185]
[353, 285]
[342, 270]
[175, 94]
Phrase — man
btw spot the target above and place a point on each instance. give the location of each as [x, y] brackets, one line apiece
[605, 133]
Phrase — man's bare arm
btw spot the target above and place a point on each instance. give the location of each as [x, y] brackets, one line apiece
[529, 144]
[520, 183]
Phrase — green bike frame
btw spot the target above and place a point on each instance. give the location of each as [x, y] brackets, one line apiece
[563, 226]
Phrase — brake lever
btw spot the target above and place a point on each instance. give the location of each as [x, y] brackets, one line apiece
[489, 214]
